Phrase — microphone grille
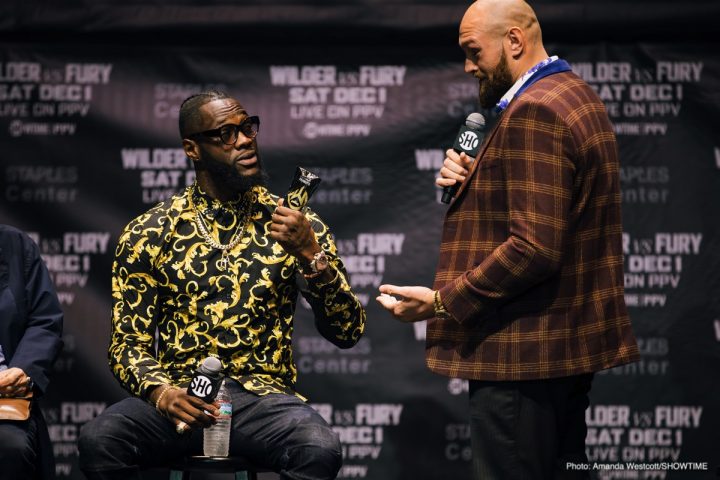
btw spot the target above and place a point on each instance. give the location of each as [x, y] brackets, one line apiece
[475, 121]
[212, 364]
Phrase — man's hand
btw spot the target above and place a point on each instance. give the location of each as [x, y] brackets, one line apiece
[294, 233]
[407, 304]
[455, 169]
[14, 383]
[178, 406]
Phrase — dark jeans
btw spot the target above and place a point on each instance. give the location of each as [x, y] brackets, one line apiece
[25, 448]
[18, 449]
[529, 430]
[276, 431]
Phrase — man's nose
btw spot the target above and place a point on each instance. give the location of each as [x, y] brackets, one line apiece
[470, 67]
[242, 141]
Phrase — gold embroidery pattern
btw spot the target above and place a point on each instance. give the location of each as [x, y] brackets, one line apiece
[165, 274]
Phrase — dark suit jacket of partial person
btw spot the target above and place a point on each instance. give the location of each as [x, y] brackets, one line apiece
[531, 261]
[31, 322]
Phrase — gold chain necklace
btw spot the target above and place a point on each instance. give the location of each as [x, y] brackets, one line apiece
[205, 231]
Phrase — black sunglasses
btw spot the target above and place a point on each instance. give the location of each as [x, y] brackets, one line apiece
[228, 133]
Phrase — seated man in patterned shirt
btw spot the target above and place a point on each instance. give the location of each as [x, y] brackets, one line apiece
[216, 269]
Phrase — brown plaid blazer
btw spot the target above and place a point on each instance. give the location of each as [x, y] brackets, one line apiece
[530, 262]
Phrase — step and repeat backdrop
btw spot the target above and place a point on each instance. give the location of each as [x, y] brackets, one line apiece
[89, 141]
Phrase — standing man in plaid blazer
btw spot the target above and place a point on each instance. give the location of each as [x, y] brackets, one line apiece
[528, 296]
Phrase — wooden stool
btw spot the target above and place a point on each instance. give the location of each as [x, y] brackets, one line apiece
[240, 466]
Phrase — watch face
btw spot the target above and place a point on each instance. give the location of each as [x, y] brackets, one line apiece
[320, 262]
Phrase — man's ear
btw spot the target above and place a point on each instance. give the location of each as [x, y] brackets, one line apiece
[515, 41]
[192, 151]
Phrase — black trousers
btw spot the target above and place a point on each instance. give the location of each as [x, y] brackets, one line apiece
[25, 449]
[530, 429]
[277, 431]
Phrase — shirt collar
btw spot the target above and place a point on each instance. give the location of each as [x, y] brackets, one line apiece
[505, 100]
[212, 207]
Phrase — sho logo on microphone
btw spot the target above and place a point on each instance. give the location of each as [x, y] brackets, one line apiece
[201, 386]
[457, 386]
[468, 140]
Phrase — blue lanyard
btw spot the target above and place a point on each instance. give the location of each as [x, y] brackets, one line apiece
[550, 69]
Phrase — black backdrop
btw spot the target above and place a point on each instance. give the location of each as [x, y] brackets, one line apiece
[368, 95]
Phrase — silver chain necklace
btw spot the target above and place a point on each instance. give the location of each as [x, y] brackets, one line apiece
[205, 231]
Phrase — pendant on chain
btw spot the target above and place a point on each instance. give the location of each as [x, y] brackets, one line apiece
[205, 232]
[223, 261]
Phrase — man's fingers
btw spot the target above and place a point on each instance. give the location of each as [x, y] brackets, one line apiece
[388, 289]
[12, 377]
[203, 406]
[387, 301]
[388, 298]
[453, 155]
[453, 170]
[200, 419]
[448, 175]
[444, 182]
[466, 161]
[281, 212]
[277, 217]
[185, 418]
[460, 159]
[278, 227]
[193, 412]
[394, 291]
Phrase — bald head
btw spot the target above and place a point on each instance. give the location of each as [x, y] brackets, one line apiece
[496, 17]
[495, 30]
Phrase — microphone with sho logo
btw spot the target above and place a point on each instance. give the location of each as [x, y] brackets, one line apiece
[468, 140]
[206, 381]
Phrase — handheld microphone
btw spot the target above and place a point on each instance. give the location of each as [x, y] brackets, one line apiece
[206, 381]
[468, 140]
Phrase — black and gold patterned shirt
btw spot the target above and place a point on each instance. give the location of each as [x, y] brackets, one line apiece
[166, 276]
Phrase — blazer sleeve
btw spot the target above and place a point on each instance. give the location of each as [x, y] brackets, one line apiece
[538, 173]
[41, 341]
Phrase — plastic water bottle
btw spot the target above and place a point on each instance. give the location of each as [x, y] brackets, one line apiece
[216, 439]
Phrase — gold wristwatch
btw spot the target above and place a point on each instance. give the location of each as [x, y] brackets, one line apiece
[440, 311]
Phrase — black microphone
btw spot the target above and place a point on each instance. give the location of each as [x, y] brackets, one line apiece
[468, 140]
[206, 381]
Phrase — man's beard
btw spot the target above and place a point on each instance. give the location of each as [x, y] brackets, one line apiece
[229, 176]
[497, 83]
